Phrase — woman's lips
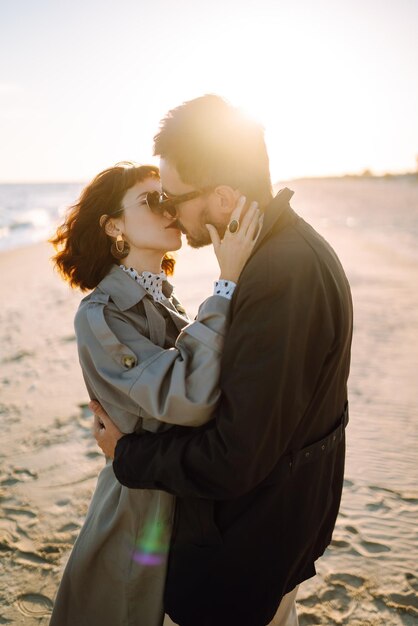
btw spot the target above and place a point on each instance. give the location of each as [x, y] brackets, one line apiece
[177, 226]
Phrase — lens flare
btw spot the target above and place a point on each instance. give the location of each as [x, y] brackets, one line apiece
[152, 547]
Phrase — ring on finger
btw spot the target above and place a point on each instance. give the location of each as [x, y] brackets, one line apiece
[233, 226]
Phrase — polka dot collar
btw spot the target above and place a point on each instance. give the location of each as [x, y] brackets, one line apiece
[152, 283]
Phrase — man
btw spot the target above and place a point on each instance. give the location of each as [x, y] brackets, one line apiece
[258, 487]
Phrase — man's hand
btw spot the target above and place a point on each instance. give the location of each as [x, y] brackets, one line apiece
[105, 432]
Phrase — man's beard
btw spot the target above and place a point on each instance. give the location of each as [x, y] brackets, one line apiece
[200, 236]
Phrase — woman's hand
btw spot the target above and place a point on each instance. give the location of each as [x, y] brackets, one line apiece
[105, 432]
[234, 249]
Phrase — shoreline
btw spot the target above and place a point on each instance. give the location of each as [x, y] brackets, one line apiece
[366, 174]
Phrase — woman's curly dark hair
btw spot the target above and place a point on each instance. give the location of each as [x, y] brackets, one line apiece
[83, 255]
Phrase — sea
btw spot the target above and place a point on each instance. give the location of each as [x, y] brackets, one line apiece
[30, 212]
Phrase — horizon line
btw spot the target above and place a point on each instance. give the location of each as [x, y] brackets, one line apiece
[366, 173]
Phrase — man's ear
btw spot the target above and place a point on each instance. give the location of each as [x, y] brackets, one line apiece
[226, 198]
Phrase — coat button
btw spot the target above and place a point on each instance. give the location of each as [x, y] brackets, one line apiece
[323, 447]
[128, 361]
[307, 454]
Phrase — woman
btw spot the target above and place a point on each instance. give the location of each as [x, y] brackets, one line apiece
[147, 376]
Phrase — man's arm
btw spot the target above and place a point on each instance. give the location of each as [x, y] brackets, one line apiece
[267, 381]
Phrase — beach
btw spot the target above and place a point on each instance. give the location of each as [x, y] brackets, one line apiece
[49, 461]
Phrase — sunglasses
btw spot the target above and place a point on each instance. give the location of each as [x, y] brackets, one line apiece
[160, 203]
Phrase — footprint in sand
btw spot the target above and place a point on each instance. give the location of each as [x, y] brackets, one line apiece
[412, 581]
[52, 550]
[32, 559]
[68, 527]
[17, 357]
[407, 603]
[338, 599]
[19, 512]
[385, 490]
[34, 605]
[23, 471]
[410, 499]
[369, 548]
[306, 619]
[378, 506]
[352, 530]
[340, 543]
[346, 579]
[308, 601]
[8, 534]
[17, 475]
[63, 502]
[8, 482]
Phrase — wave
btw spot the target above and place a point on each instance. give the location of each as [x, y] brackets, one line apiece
[31, 212]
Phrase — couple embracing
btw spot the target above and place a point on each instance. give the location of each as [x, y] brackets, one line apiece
[224, 436]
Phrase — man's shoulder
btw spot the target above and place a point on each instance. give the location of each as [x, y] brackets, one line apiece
[288, 249]
[296, 247]
[294, 259]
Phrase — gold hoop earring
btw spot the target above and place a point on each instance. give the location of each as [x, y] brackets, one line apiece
[120, 248]
[119, 240]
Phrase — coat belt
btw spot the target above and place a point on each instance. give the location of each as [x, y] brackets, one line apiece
[291, 462]
[321, 447]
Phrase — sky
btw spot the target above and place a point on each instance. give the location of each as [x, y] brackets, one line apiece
[84, 83]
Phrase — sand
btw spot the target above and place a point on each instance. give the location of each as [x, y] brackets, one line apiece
[49, 460]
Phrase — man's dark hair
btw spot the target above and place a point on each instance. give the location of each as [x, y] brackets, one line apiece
[211, 143]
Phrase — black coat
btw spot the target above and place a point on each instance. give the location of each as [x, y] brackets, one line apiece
[259, 487]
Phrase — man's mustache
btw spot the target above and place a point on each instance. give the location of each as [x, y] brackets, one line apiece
[221, 228]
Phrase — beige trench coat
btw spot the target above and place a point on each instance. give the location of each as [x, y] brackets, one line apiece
[147, 376]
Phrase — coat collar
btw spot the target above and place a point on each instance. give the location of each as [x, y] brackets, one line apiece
[273, 212]
[124, 291]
